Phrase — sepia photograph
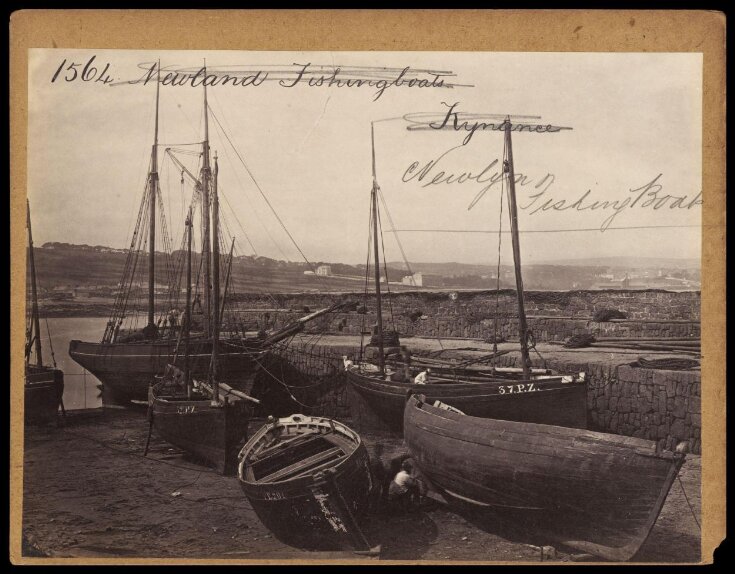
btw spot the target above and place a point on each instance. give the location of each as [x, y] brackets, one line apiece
[367, 306]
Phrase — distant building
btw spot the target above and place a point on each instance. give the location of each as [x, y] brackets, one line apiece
[324, 270]
[415, 280]
[308, 272]
[420, 279]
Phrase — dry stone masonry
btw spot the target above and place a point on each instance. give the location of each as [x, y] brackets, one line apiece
[659, 405]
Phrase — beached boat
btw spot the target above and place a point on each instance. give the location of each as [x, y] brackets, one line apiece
[594, 492]
[308, 480]
[211, 429]
[43, 384]
[559, 400]
[44, 389]
[126, 359]
[378, 388]
[208, 419]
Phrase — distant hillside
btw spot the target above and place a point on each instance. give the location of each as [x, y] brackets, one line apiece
[65, 265]
[62, 266]
[629, 262]
[451, 269]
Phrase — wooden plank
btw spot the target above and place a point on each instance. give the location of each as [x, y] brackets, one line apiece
[317, 458]
[283, 446]
[317, 468]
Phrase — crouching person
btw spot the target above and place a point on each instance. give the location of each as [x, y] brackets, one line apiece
[403, 489]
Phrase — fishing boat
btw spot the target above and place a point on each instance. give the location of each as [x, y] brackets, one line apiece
[211, 424]
[308, 480]
[594, 492]
[378, 388]
[44, 384]
[208, 419]
[126, 359]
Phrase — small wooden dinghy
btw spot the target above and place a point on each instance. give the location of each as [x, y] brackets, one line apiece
[595, 492]
[308, 480]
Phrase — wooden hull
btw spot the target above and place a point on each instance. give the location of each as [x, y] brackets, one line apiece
[317, 511]
[213, 434]
[377, 405]
[44, 389]
[127, 369]
[595, 492]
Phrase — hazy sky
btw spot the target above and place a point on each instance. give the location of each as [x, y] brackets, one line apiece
[636, 122]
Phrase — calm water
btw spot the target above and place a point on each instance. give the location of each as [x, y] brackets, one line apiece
[80, 387]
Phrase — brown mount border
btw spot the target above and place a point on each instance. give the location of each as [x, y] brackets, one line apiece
[395, 30]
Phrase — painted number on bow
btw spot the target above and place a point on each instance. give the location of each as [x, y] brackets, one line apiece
[519, 388]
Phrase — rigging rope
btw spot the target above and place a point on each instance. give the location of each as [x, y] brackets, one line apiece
[385, 269]
[497, 279]
[367, 280]
[285, 386]
[50, 342]
[265, 198]
[245, 233]
[118, 309]
[398, 239]
[688, 503]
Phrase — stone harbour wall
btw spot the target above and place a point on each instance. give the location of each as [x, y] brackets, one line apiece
[658, 405]
[552, 316]
[304, 378]
[654, 404]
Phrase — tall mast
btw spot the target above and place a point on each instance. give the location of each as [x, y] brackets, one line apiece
[206, 245]
[187, 316]
[227, 279]
[522, 325]
[153, 191]
[374, 198]
[34, 292]
[215, 289]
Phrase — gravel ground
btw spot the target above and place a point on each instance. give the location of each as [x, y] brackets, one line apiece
[88, 492]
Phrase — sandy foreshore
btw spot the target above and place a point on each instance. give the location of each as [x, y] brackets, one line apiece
[89, 492]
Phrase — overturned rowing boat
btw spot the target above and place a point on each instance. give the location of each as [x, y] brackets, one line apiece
[595, 492]
[308, 480]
